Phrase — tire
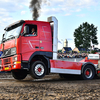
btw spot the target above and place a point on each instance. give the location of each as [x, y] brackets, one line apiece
[19, 74]
[38, 70]
[88, 72]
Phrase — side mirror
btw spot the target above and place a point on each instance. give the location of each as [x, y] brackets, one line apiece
[3, 37]
[26, 30]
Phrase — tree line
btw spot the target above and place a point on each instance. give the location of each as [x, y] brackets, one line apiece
[85, 35]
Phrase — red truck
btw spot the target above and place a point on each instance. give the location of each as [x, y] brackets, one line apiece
[36, 54]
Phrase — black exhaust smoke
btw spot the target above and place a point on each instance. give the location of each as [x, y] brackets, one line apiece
[35, 6]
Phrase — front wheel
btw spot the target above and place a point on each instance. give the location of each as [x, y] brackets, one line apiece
[88, 72]
[19, 74]
[38, 70]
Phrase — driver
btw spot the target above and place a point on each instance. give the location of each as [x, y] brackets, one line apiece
[33, 31]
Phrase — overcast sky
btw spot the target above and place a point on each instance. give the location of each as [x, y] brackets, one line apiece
[70, 14]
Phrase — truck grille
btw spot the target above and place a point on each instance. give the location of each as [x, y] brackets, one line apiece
[7, 61]
[7, 52]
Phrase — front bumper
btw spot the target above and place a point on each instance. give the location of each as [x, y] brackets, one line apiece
[10, 63]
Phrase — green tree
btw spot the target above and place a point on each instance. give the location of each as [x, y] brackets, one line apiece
[84, 35]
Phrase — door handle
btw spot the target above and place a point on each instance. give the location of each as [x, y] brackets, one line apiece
[36, 47]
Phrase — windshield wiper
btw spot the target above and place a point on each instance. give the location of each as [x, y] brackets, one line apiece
[12, 36]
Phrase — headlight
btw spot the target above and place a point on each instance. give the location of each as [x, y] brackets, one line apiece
[13, 51]
[15, 58]
[14, 63]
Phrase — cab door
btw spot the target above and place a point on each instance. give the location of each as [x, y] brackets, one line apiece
[30, 43]
[45, 37]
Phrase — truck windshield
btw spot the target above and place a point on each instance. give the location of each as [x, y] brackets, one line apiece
[12, 33]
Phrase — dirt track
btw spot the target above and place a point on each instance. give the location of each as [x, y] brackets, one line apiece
[49, 88]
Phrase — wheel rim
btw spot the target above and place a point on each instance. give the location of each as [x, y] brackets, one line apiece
[88, 73]
[39, 69]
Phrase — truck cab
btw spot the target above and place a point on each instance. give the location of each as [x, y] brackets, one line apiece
[21, 48]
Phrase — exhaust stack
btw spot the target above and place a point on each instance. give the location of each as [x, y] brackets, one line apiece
[54, 21]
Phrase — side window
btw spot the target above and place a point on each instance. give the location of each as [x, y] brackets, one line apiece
[32, 30]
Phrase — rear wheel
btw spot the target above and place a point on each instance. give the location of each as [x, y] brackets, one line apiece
[19, 74]
[38, 70]
[88, 72]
